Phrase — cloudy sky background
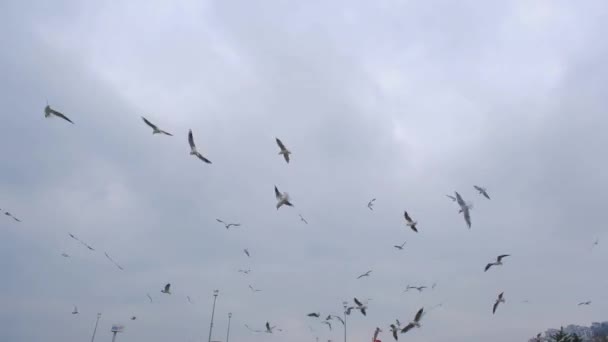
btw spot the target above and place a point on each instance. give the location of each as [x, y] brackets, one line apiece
[404, 101]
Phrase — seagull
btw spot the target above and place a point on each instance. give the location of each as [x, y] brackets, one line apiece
[360, 306]
[149, 297]
[133, 318]
[193, 150]
[114, 262]
[464, 209]
[499, 300]
[314, 314]
[433, 286]
[328, 318]
[303, 219]
[254, 290]
[155, 130]
[410, 223]
[65, 255]
[376, 333]
[228, 225]
[282, 198]
[415, 323]
[401, 246]
[81, 242]
[48, 111]
[328, 324]
[497, 263]
[394, 330]
[366, 274]
[597, 242]
[452, 198]
[75, 312]
[419, 288]
[370, 204]
[339, 318]
[189, 300]
[247, 252]
[245, 271]
[482, 191]
[585, 303]
[269, 329]
[284, 151]
[11, 215]
[167, 289]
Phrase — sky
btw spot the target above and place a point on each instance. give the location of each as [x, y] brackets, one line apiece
[402, 101]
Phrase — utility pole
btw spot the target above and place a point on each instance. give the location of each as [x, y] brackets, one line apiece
[228, 332]
[95, 330]
[345, 306]
[215, 293]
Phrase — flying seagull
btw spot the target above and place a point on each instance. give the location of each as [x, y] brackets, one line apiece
[499, 300]
[328, 324]
[48, 111]
[245, 271]
[419, 288]
[303, 219]
[81, 242]
[370, 204]
[597, 242]
[189, 300]
[253, 289]
[12, 216]
[167, 289]
[433, 286]
[409, 222]
[149, 297]
[155, 129]
[585, 303]
[464, 209]
[360, 306]
[228, 225]
[415, 323]
[400, 247]
[65, 255]
[114, 262]
[482, 191]
[193, 150]
[269, 329]
[314, 314]
[497, 263]
[282, 198]
[366, 274]
[284, 151]
[394, 331]
[75, 311]
[247, 252]
[376, 333]
[133, 318]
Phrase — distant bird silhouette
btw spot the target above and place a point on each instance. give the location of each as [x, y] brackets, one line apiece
[48, 112]
[282, 198]
[228, 225]
[415, 323]
[284, 151]
[370, 204]
[366, 274]
[167, 289]
[155, 129]
[497, 263]
[400, 247]
[482, 191]
[499, 300]
[585, 303]
[193, 150]
[409, 222]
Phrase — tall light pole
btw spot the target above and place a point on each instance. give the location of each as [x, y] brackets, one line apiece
[215, 293]
[228, 332]
[95, 330]
[345, 304]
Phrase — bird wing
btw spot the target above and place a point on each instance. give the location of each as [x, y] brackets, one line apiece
[340, 319]
[149, 123]
[363, 311]
[376, 334]
[165, 132]
[277, 194]
[328, 324]
[499, 258]
[358, 302]
[395, 336]
[286, 156]
[280, 143]
[167, 287]
[495, 306]
[220, 221]
[414, 228]
[268, 326]
[459, 199]
[149, 298]
[191, 140]
[467, 216]
[451, 197]
[200, 156]
[407, 217]
[478, 188]
[419, 315]
[407, 328]
[61, 115]
[500, 295]
[488, 266]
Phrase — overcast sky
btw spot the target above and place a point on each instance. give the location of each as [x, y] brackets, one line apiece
[404, 101]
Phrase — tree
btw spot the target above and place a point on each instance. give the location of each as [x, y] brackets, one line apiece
[575, 338]
[560, 336]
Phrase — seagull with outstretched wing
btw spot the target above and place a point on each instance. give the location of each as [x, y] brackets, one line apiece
[12, 216]
[497, 263]
[155, 129]
[360, 306]
[167, 289]
[48, 112]
[585, 303]
[254, 290]
[193, 150]
[400, 247]
[247, 252]
[284, 151]
[415, 323]
[499, 300]
[482, 191]
[394, 330]
[75, 311]
[409, 222]
[370, 204]
[303, 219]
[114, 262]
[228, 225]
[282, 198]
[464, 209]
[366, 274]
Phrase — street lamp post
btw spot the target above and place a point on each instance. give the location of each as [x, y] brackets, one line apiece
[95, 330]
[228, 332]
[215, 293]
[345, 307]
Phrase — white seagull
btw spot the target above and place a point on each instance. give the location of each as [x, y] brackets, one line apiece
[415, 323]
[253, 289]
[409, 222]
[394, 330]
[167, 289]
[48, 111]
[228, 225]
[400, 247]
[193, 150]
[75, 312]
[282, 198]
[303, 219]
[155, 129]
[464, 209]
[360, 306]
[482, 191]
[370, 204]
[65, 255]
[497, 263]
[284, 151]
[499, 300]
[247, 252]
[585, 303]
[149, 297]
[269, 329]
[366, 274]
[12, 216]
